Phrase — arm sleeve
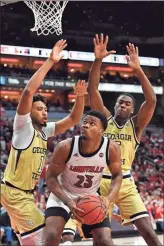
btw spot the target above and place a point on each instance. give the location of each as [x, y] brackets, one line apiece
[20, 122]
[23, 131]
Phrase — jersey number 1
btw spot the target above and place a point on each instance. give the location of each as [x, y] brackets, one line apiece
[84, 181]
[41, 164]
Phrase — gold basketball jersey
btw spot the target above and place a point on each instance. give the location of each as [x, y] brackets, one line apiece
[125, 136]
[25, 165]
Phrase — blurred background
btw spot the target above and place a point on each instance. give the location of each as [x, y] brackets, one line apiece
[23, 52]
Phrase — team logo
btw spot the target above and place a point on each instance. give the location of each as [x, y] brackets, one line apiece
[101, 155]
[29, 222]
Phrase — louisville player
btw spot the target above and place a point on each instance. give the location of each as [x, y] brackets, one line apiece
[126, 130]
[76, 170]
[28, 152]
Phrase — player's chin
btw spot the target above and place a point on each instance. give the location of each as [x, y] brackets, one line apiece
[84, 137]
[43, 124]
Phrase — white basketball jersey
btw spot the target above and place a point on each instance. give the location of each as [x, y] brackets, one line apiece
[83, 173]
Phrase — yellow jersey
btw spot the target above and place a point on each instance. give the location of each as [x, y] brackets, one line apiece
[125, 136]
[25, 165]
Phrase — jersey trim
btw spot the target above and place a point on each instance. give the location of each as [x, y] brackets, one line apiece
[43, 135]
[17, 159]
[107, 152]
[71, 150]
[28, 145]
[109, 117]
[134, 132]
[120, 127]
[89, 154]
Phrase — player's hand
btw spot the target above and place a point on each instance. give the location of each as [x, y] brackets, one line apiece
[80, 89]
[100, 47]
[107, 202]
[55, 55]
[74, 210]
[133, 56]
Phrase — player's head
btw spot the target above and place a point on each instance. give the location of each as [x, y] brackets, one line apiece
[124, 106]
[39, 111]
[94, 124]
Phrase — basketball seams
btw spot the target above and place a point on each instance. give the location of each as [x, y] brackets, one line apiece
[93, 200]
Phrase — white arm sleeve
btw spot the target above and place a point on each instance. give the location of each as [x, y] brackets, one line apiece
[50, 129]
[23, 131]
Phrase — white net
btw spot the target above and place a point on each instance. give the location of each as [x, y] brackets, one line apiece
[48, 16]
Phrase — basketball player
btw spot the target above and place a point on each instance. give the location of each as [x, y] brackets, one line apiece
[126, 130]
[76, 170]
[28, 151]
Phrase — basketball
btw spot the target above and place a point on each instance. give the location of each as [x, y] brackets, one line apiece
[94, 209]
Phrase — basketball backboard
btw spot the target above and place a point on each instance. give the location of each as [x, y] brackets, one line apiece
[8, 2]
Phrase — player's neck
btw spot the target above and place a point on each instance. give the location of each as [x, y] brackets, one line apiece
[120, 121]
[38, 128]
[89, 146]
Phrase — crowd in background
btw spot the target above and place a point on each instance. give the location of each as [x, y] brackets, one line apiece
[11, 104]
[72, 75]
[148, 169]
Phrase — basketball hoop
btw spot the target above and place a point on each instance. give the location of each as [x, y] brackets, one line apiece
[47, 15]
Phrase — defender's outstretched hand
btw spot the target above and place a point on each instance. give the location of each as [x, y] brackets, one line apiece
[80, 89]
[100, 47]
[55, 53]
[133, 56]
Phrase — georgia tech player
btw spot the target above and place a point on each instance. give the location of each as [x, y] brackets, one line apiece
[28, 151]
[126, 130]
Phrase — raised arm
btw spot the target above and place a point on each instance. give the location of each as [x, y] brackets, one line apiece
[100, 52]
[77, 111]
[146, 110]
[25, 104]
[115, 169]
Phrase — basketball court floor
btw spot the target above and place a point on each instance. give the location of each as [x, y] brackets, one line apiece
[122, 241]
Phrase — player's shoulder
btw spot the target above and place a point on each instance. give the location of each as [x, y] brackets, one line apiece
[113, 146]
[65, 144]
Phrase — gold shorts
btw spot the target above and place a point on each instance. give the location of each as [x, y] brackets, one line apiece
[24, 215]
[128, 199]
[70, 227]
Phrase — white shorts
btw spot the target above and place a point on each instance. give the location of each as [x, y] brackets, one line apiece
[54, 201]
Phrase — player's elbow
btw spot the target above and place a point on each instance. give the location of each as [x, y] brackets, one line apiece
[153, 100]
[27, 92]
[73, 120]
[50, 181]
[92, 89]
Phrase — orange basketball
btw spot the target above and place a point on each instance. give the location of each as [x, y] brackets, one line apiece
[94, 209]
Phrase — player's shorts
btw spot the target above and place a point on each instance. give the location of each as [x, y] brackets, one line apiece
[26, 219]
[128, 199]
[87, 229]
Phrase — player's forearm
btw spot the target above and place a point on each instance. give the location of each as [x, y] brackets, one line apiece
[54, 187]
[77, 110]
[146, 86]
[39, 76]
[115, 186]
[94, 75]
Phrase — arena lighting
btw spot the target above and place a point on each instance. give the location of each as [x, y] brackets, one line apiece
[75, 65]
[37, 62]
[10, 92]
[119, 69]
[9, 60]
[71, 96]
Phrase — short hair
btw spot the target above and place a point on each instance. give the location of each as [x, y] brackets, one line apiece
[39, 97]
[101, 116]
[129, 95]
